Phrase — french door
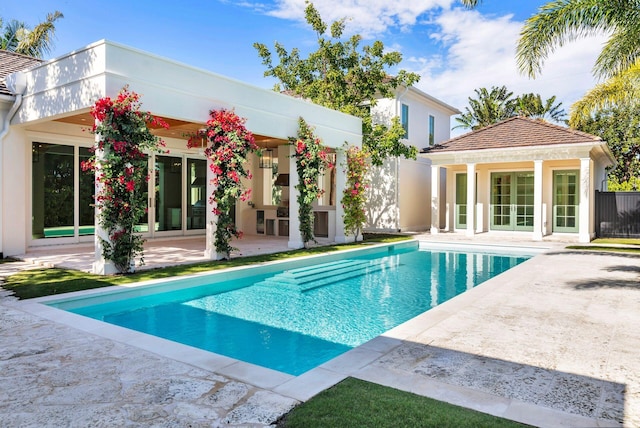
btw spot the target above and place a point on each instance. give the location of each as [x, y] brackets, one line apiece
[461, 199]
[512, 201]
[565, 201]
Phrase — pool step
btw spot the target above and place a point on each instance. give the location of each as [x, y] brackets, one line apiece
[311, 277]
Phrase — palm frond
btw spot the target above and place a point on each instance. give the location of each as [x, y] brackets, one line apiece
[621, 51]
[621, 89]
[562, 21]
[39, 41]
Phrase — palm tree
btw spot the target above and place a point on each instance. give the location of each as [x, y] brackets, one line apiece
[17, 37]
[531, 105]
[562, 21]
[489, 107]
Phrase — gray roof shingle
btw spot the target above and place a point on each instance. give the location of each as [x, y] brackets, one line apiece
[513, 132]
[10, 62]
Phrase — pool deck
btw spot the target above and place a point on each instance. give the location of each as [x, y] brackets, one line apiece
[551, 342]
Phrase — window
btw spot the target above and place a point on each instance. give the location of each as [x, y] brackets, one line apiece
[405, 120]
[432, 130]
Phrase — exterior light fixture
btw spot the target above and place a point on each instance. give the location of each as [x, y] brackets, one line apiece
[266, 159]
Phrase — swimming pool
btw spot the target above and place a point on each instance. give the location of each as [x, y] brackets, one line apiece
[294, 316]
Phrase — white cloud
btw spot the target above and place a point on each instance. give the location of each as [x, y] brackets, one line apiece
[364, 17]
[480, 52]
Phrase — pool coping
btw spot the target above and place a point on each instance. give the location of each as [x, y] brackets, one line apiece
[352, 363]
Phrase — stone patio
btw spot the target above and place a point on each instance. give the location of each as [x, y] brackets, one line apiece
[551, 342]
[158, 253]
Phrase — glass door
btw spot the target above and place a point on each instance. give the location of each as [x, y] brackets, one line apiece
[461, 201]
[196, 194]
[524, 201]
[512, 201]
[565, 201]
[168, 194]
[501, 190]
[53, 168]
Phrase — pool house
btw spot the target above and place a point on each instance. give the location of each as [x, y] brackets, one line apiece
[519, 175]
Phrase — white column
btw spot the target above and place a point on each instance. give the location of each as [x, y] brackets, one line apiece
[101, 266]
[341, 184]
[211, 219]
[295, 237]
[585, 198]
[537, 201]
[471, 199]
[435, 199]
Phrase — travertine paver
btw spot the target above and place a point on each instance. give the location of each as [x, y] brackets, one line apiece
[552, 342]
[52, 375]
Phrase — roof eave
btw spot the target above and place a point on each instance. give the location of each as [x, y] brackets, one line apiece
[518, 154]
[452, 110]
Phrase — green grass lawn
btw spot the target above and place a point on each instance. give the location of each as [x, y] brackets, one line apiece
[625, 241]
[605, 245]
[604, 248]
[44, 282]
[356, 403]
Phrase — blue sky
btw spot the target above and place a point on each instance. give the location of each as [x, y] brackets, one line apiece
[453, 49]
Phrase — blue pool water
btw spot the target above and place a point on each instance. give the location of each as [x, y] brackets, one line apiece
[295, 320]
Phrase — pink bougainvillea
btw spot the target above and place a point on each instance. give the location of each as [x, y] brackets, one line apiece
[312, 159]
[124, 139]
[228, 145]
[354, 197]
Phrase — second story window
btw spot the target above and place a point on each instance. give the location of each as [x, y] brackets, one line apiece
[432, 130]
[405, 120]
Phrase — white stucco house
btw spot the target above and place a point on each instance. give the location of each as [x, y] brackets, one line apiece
[400, 192]
[44, 110]
[520, 175]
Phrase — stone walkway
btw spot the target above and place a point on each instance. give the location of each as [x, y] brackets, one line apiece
[552, 342]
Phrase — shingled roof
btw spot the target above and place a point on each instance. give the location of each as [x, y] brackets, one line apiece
[512, 133]
[10, 62]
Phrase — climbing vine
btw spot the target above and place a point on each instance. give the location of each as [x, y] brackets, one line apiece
[354, 198]
[312, 159]
[228, 145]
[123, 139]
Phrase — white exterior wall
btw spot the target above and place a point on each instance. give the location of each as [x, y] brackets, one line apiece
[15, 178]
[382, 207]
[5, 106]
[420, 109]
[401, 192]
[414, 180]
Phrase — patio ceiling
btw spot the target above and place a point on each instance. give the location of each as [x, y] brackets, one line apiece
[179, 129]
